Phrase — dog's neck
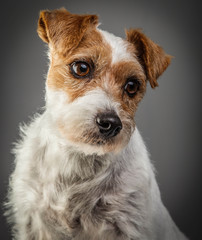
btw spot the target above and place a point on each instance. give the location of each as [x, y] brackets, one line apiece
[81, 167]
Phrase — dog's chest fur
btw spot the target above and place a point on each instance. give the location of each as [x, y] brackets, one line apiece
[96, 208]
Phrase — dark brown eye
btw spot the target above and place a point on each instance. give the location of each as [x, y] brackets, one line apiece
[131, 87]
[80, 69]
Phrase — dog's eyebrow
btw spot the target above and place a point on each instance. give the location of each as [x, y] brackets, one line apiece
[92, 53]
[82, 59]
[129, 69]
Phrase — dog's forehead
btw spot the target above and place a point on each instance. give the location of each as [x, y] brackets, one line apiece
[121, 49]
[104, 47]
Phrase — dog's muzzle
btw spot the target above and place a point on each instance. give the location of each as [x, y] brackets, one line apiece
[109, 124]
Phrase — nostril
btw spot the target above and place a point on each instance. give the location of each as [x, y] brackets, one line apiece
[109, 124]
[117, 130]
[103, 124]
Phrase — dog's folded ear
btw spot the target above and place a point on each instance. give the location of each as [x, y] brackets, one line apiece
[60, 28]
[151, 56]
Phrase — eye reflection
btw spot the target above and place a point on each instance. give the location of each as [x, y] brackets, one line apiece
[131, 87]
[80, 69]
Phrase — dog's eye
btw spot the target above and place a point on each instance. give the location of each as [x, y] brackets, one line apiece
[80, 69]
[131, 87]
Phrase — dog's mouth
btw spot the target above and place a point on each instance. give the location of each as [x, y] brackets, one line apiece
[106, 130]
[109, 140]
[97, 139]
[102, 133]
[91, 140]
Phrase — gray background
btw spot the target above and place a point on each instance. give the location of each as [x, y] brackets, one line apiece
[169, 117]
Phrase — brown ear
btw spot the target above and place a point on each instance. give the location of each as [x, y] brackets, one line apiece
[152, 57]
[63, 29]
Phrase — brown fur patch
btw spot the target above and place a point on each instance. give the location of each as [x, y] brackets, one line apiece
[120, 73]
[64, 30]
[91, 49]
[151, 56]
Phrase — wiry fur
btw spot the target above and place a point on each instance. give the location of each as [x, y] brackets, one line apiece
[70, 183]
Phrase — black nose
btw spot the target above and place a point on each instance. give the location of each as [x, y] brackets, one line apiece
[109, 124]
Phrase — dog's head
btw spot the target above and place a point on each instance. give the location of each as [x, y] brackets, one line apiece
[96, 80]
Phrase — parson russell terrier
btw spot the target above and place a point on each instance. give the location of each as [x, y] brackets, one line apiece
[82, 169]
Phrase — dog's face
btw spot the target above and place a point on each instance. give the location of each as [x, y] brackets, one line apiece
[96, 80]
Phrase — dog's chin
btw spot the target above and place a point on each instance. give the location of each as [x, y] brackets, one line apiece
[98, 145]
[98, 149]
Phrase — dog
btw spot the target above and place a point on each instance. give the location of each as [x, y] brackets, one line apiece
[82, 171]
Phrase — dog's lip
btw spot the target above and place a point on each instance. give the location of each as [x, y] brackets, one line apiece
[100, 143]
[99, 140]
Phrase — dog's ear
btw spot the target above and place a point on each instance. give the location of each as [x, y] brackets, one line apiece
[63, 29]
[151, 56]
